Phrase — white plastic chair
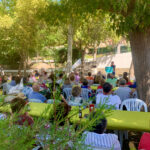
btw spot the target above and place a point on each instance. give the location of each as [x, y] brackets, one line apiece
[85, 93]
[35, 101]
[133, 105]
[67, 92]
[99, 91]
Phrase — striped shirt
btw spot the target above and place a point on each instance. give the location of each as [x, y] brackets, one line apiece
[95, 140]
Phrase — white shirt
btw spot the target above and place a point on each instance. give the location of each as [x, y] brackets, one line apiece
[60, 81]
[123, 93]
[108, 99]
[95, 140]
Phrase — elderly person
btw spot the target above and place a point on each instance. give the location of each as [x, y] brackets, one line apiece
[35, 94]
[123, 91]
[67, 84]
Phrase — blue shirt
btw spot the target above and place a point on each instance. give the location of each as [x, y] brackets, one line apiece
[13, 83]
[36, 95]
[27, 91]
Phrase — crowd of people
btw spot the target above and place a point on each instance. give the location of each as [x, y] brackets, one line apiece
[97, 89]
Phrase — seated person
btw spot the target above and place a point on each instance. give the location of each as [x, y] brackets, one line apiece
[72, 79]
[90, 78]
[85, 84]
[13, 82]
[125, 76]
[67, 84]
[17, 106]
[35, 94]
[111, 79]
[98, 139]
[123, 91]
[62, 110]
[60, 80]
[76, 95]
[77, 77]
[18, 88]
[27, 90]
[6, 87]
[107, 97]
[144, 142]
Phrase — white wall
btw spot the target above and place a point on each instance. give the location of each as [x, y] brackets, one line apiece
[122, 60]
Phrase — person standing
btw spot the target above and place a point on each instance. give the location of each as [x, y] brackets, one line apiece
[114, 67]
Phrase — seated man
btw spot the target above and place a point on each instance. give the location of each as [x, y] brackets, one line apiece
[35, 94]
[85, 84]
[107, 98]
[17, 106]
[123, 91]
[98, 139]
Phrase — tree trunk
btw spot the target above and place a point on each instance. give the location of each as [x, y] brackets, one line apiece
[70, 43]
[83, 61]
[140, 45]
[94, 56]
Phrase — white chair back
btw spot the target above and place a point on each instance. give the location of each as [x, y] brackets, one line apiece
[67, 92]
[133, 104]
[99, 91]
[85, 93]
[35, 101]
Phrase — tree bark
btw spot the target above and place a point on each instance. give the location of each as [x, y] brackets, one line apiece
[83, 60]
[140, 45]
[70, 43]
[95, 54]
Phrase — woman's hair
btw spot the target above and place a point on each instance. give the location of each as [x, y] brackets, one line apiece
[72, 77]
[97, 79]
[76, 91]
[102, 82]
[17, 104]
[67, 81]
[17, 80]
[62, 110]
[125, 76]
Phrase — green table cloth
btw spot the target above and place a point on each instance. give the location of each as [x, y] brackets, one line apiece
[119, 120]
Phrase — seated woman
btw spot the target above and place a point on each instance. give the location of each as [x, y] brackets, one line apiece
[62, 110]
[76, 96]
[67, 84]
[98, 139]
[17, 106]
[125, 76]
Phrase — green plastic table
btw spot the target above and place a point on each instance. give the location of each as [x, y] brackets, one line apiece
[119, 120]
